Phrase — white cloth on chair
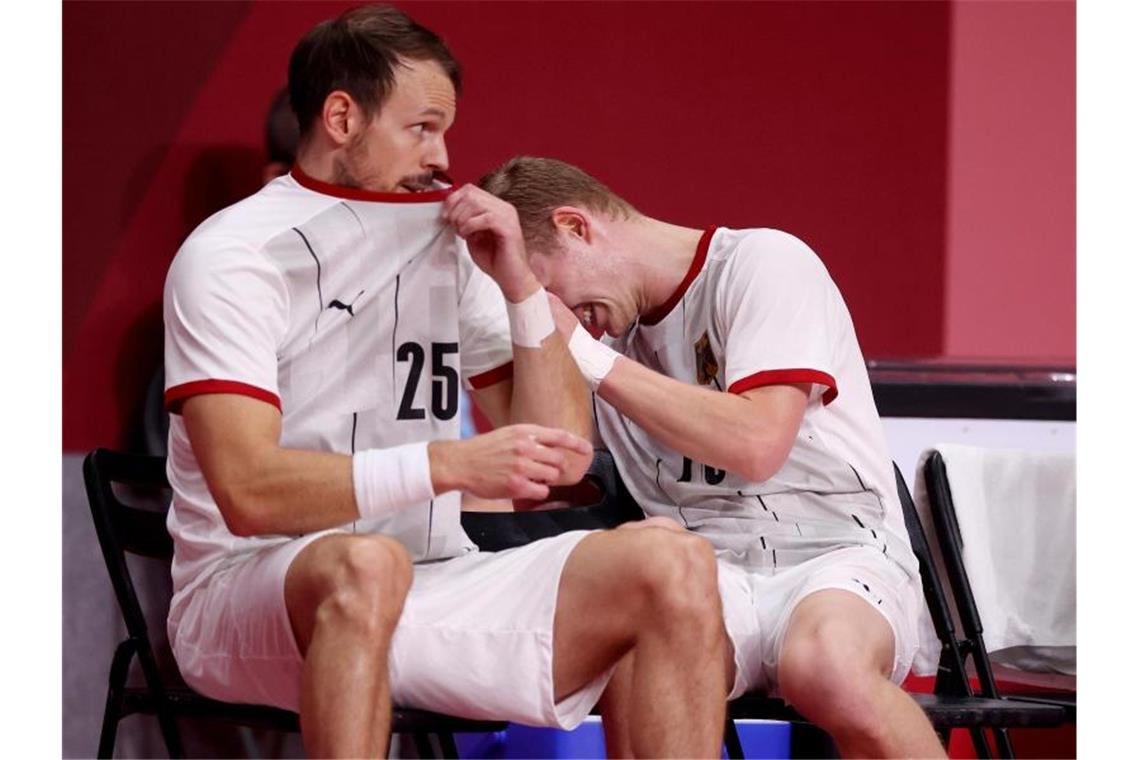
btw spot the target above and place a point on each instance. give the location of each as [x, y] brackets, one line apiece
[1017, 516]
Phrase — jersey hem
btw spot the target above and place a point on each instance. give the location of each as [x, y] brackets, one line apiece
[176, 395]
[787, 376]
[492, 376]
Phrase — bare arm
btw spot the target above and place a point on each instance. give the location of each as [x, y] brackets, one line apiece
[749, 434]
[546, 387]
[262, 488]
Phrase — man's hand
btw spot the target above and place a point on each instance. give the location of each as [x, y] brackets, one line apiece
[491, 228]
[513, 462]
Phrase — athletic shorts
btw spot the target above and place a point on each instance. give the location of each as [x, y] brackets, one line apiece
[475, 638]
[758, 606]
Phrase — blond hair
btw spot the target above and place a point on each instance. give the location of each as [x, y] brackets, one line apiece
[538, 186]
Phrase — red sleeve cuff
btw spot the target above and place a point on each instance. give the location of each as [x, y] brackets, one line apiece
[492, 376]
[175, 395]
[788, 377]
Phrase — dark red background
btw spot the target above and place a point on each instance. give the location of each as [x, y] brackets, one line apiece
[826, 119]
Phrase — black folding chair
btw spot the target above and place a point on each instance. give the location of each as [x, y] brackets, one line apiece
[123, 529]
[949, 537]
[953, 704]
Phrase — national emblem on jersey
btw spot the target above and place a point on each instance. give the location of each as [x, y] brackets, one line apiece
[707, 366]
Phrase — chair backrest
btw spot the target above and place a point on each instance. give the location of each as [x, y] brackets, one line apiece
[951, 667]
[949, 537]
[931, 587]
[124, 529]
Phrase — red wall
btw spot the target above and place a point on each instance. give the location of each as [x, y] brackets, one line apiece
[1012, 206]
[825, 119]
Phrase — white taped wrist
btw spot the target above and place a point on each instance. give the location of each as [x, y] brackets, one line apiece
[530, 319]
[388, 480]
[595, 359]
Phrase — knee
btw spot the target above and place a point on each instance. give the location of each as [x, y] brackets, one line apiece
[825, 676]
[677, 575]
[369, 578]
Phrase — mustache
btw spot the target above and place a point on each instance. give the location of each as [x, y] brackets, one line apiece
[418, 182]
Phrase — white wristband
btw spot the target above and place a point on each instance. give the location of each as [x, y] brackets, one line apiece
[595, 359]
[388, 480]
[530, 319]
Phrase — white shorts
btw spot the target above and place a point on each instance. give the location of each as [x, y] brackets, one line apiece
[758, 606]
[476, 637]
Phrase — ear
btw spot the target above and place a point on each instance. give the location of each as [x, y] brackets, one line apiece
[573, 221]
[341, 117]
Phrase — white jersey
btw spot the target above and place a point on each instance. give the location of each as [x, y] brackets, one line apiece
[356, 314]
[758, 308]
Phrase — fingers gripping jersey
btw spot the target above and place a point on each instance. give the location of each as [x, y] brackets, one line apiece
[758, 308]
[356, 317]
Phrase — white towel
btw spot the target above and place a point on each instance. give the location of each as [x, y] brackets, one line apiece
[1017, 515]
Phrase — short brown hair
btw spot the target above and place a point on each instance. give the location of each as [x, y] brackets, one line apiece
[357, 52]
[537, 186]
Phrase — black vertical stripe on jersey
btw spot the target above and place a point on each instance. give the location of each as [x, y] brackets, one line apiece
[352, 448]
[395, 327]
[431, 514]
[861, 484]
[320, 296]
[352, 211]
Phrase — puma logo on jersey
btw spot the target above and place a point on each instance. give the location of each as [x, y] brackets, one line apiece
[338, 304]
[707, 366]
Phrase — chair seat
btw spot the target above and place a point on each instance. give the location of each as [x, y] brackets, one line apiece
[943, 711]
[190, 704]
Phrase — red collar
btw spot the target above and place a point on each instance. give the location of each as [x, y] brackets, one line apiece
[357, 194]
[653, 316]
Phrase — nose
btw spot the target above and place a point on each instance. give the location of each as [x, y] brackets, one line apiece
[437, 155]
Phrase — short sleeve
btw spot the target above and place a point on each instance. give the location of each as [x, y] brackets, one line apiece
[484, 333]
[777, 306]
[225, 311]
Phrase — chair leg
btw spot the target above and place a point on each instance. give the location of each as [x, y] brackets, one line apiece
[981, 744]
[1004, 745]
[447, 745]
[162, 709]
[110, 728]
[112, 712]
[732, 744]
[424, 746]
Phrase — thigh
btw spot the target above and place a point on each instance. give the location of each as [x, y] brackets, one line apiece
[476, 637]
[233, 640]
[863, 605]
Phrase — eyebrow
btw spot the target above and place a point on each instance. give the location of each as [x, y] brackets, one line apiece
[433, 111]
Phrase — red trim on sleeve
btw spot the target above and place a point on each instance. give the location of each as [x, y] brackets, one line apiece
[175, 395]
[787, 377]
[653, 316]
[492, 376]
[358, 194]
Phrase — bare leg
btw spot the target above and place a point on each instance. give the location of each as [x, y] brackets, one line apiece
[614, 706]
[617, 699]
[651, 594]
[344, 595]
[834, 668]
